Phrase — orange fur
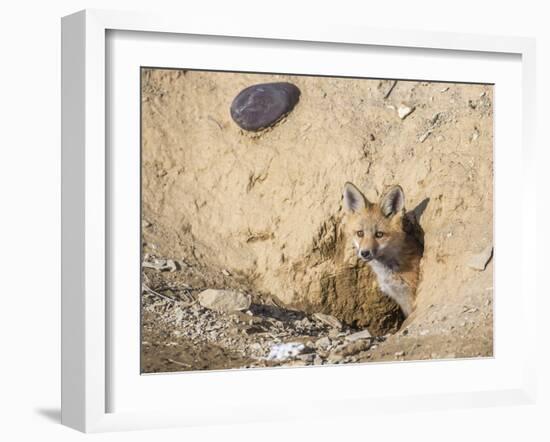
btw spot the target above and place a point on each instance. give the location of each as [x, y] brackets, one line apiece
[380, 236]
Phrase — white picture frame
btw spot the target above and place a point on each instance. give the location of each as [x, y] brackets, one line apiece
[86, 314]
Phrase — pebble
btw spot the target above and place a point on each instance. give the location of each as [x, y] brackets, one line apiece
[224, 300]
[335, 359]
[308, 357]
[335, 334]
[353, 348]
[262, 105]
[162, 265]
[297, 363]
[480, 260]
[323, 342]
[328, 320]
[364, 334]
[403, 111]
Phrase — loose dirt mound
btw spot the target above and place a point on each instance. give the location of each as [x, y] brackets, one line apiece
[267, 207]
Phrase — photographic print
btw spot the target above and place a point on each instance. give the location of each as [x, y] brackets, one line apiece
[293, 220]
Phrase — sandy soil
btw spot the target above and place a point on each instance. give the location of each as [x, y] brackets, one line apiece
[261, 214]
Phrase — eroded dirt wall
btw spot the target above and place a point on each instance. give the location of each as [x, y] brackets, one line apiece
[267, 207]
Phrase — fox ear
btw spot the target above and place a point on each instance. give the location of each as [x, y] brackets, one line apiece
[354, 200]
[392, 202]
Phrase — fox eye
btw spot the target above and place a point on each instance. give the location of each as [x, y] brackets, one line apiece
[360, 233]
[379, 234]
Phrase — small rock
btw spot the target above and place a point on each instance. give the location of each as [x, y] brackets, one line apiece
[262, 105]
[226, 272]
[404, 111]
[335, 358]
[353, 348]
[256, 346]
[254, 329]
[307, 357]
[480, 260]
[296, 363]
[328, 320]
[179, 315]
[224, 300]
[364, 334]
[162, 265]
[335, 334]
[318, 360]
[399, 354]
[183, 263]
[323, 342]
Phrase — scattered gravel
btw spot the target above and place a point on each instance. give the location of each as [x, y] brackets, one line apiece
[262, 335]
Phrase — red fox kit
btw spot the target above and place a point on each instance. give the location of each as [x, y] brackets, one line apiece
[382, 237]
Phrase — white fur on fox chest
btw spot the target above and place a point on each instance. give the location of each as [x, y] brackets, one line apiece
[393, 286]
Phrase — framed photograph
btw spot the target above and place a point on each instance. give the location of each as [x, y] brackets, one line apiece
[321, 214]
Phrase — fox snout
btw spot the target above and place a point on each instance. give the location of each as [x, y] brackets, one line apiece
[366, 247]
[366, 254]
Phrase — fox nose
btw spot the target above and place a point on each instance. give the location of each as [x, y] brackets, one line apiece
[366, 254]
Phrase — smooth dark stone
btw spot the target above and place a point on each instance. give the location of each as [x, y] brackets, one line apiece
[262, 105]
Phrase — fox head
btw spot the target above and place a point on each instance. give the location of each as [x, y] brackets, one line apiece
[376, 229]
